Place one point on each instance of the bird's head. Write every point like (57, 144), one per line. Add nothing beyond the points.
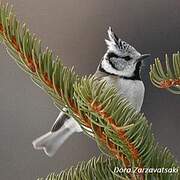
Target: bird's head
(121, 59)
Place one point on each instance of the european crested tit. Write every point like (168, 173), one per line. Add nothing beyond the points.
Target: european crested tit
(120, 67)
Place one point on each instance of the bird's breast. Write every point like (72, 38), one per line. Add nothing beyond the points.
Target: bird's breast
(133, 90)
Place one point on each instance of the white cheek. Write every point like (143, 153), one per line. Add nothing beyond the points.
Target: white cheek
(108, 68)
(121, 67)
(127, 70)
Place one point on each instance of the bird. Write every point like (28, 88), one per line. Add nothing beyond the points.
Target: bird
(121, 68)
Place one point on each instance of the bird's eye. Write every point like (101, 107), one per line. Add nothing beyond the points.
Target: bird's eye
(112, 55)
(127, 58)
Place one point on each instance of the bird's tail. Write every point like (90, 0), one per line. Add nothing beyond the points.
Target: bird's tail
(51, 141)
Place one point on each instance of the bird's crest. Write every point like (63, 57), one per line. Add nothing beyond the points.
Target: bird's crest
(116, 44)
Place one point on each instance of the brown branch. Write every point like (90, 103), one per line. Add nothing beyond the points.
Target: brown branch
(121, 133)
(169, 83)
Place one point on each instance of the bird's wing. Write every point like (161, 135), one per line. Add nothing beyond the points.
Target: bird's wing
(61, 119)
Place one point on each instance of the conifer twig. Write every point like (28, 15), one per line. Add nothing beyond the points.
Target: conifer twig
(168, 77)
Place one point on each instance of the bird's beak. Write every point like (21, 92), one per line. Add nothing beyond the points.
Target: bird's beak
(143, 56)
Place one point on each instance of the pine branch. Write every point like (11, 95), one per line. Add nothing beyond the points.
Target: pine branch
(103, 168)
(95, 168)
(117, 126)
(168, 77)
(118, 129)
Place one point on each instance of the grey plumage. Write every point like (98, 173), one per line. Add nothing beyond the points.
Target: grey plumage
(120, 67)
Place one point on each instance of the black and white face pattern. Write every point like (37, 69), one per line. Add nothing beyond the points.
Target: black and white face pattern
(121, 59)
